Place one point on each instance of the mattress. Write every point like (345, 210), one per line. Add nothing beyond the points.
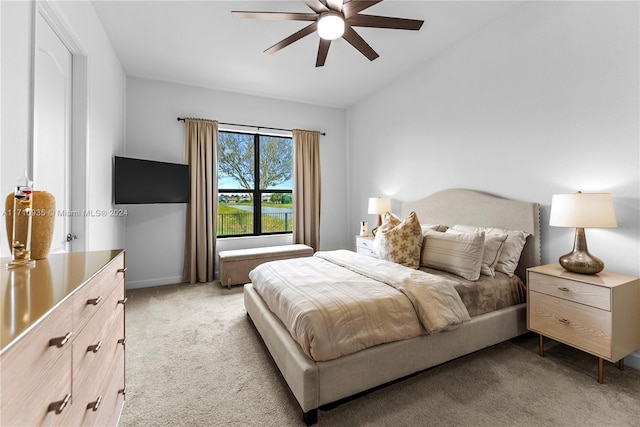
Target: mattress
(338, 302)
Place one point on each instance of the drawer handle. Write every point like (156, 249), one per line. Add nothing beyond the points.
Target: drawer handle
(123, 270)
(60, 341)
(563, 289)
(123, 391)
(565, 321)
(94, 405)
(94, 348)
(123, 301)
(94, 301)
(122, 341)
(58, 406)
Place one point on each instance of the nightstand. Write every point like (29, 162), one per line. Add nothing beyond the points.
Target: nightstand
(598, 314)
(364, 245)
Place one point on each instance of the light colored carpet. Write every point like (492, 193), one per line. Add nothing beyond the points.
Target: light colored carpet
(194, 359)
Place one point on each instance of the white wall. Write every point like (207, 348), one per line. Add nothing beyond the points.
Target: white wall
(543, 101)
(155, 233)
(15, 135)
(104, 110)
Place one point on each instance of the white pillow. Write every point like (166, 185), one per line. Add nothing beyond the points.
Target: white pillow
(493, 244)
(399, 241)
(432, 227)
(510, 254)
(435, 227)
(457, 253)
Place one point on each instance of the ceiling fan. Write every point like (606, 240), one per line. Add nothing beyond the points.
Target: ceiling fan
(333, 19)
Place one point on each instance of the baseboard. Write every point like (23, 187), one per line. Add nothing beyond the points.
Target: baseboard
(159, 281)
(633, 360)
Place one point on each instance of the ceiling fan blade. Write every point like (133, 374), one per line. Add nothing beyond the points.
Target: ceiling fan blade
(316, 5)
(358, 42)
(335, 5)
(354, 6)
(323, 50)
(276, 16)
(292, 38)
(384, 22)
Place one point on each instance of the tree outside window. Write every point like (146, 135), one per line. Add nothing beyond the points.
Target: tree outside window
(255, 184)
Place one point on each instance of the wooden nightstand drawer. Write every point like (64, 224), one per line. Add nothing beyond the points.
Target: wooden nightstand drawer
(571, 290)
(576, 324)
(364, 245)
(597, 313)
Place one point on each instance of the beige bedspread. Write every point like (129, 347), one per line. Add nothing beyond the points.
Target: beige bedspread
(337, 302)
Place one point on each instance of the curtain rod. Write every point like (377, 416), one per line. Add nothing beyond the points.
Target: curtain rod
(182, 119)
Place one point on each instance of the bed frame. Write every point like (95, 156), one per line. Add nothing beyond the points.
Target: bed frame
(315, 384)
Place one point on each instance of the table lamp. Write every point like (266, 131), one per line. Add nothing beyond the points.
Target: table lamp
(582, 210)
(379, 206)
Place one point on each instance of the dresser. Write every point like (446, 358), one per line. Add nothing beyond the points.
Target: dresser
(62, 342)
(599, 314)
(364, 245)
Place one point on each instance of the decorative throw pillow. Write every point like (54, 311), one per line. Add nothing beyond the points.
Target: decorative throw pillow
(457, 253)
(510, 254)
(399, 241)
(493, 244)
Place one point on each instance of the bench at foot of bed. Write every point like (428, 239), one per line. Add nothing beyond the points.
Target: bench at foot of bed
(235, 265)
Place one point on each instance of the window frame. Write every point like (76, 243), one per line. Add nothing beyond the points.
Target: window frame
(256, 191)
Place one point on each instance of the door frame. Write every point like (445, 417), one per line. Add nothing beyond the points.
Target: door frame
(79, 112)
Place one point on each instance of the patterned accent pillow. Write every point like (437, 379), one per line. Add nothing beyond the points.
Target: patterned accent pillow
(457, 253)
(399, 241)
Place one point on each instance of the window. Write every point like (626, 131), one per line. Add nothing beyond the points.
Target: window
(255, 184)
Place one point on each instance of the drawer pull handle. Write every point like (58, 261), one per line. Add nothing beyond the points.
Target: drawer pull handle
(122, 341)
(94, 348)
(565, 321)
(60, 341)
(58, 406)
(563, 289)
(94, 405)
(94, 301)
(122, 270)
(123, 391)
(123, 301)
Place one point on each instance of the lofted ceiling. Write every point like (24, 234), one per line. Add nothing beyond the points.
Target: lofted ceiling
(199, 43)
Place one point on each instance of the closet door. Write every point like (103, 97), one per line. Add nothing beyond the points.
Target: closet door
(53, 97)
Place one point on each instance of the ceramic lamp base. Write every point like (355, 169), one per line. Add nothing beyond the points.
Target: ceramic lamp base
(580, 260)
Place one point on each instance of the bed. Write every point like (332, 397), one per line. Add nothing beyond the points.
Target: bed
(317, 383)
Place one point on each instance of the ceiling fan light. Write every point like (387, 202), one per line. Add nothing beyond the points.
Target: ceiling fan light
(331, 26)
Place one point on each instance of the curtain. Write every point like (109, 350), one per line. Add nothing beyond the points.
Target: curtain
(201, 152)
(306, 188)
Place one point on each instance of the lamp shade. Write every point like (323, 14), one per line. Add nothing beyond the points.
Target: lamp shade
(583, 210)
(379, 205)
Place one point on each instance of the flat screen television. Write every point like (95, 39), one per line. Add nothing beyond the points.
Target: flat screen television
(138, 181)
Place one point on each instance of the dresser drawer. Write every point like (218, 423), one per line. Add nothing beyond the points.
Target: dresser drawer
(581, 326)
(35, 372)
(40, 387)
(571, 290)
(113, 394)
(99, 402)
(104, 330)
(90, 297)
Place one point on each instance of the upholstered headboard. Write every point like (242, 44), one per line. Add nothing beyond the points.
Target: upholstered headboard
(470, 207)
